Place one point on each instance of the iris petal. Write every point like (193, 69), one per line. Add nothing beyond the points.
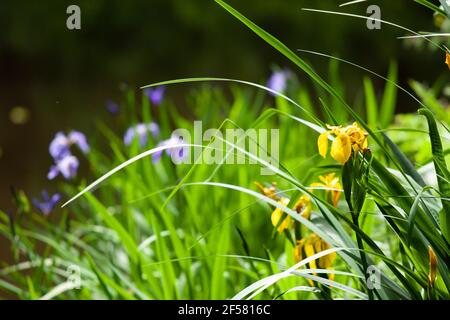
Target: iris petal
(322, 144)
(341, 148)
(277, 214)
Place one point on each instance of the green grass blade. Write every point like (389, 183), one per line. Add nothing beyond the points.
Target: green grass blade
(371, 103)
(404, 162)
(442, 172)
(389, 100)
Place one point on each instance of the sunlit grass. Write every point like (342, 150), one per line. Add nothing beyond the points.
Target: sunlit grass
(155, 230)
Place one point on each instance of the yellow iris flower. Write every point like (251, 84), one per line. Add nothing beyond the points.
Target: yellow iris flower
(330, 181)
(270, 192)
(302, 206)
(277, 215)
(311, 245)
(346, 139)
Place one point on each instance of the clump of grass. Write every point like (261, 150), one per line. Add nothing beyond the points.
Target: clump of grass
(155, 230)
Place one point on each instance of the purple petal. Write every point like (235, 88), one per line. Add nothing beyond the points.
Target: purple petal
(129, 135)
(55, 199)
(59, 147)
(45, 195)
(155, 95)
(80, 140)
(156, 157)
(112, 107)
(141, 131)
(278, 81)
(143, 140)
(46, 206)
(52, 173)
(177, 153)
(37, 204)
(68, 167)
(154, 129)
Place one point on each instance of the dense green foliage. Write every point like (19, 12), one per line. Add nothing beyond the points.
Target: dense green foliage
(156, 230)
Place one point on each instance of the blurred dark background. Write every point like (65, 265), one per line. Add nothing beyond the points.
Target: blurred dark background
(63, 78)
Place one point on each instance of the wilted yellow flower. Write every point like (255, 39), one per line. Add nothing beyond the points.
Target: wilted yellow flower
(346, 139)
(358, 137)
(433, 267)
(447, 59)
(311, 245)
(270, 192)
(330, 181)
(277, 215)
(303, 206)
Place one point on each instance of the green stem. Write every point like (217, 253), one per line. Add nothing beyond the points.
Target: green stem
(363, 255)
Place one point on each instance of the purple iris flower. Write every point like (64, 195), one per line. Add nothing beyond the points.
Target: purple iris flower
(156, 95)
(176, 153)
(112, 107)
(66, 166)
(141, 131)
(78, 138)
(60, 145)
(48, 204)
(157, 155)
(278, 81)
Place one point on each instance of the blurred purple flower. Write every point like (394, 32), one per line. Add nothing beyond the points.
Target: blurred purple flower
(78, 138)
(156, 95)
(60, 146)
(48, 204)
(141, 131)
(157, 155)
(112, 107)
(176, 153)
(278, 81)
(66, 166)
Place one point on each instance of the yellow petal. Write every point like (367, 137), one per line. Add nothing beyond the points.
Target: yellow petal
(324, 179)
(335, 197)
(433, 266)
(285, 224)
(277, 214)
(318, 246)
(303, 206)
(298, 251)
(331, 275)
(309, 251)
(365, 143)
(260, 187)
(327, 261)
(322, 144)
(447, 59)
(270, 192)
(307, 212)
(317, 184)
(341, 148)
